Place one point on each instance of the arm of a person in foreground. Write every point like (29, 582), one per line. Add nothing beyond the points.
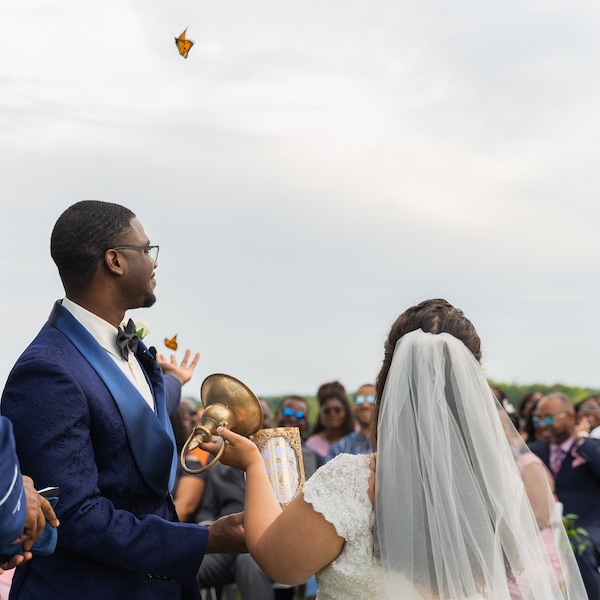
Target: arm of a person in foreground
(39, 511)
(188, 495)
(289, 545)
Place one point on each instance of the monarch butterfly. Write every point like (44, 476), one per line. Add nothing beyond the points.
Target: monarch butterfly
(183, 45)
(171, 343)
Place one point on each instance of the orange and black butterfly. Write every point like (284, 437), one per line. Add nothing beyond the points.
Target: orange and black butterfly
(171, 343)
(183, 45)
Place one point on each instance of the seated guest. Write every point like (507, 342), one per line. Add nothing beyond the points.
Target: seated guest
(224, 495)
(359, 441)
(189, 487)
(335, 419)
(293, 412)
(525, 410)
(590, 407)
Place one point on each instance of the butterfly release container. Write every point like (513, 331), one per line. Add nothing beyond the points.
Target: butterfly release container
(281, 451)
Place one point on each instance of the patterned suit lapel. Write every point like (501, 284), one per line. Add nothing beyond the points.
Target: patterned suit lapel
(150, 438)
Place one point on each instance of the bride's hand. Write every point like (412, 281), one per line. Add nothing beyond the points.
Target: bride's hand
(239, 451)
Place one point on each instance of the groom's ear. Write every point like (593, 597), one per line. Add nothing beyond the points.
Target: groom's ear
(113, 262)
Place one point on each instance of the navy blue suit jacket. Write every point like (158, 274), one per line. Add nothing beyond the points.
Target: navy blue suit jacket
(79, 424)
(577, 487)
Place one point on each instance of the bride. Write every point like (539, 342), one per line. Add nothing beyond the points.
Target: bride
(439, 511)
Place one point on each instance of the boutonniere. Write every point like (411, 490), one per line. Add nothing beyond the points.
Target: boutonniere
(141, 329)
(578, 460)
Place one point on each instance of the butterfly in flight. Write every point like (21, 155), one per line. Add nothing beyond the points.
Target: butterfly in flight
(171, 343)
(183, 45)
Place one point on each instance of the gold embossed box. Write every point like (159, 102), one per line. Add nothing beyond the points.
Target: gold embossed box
(281, 450)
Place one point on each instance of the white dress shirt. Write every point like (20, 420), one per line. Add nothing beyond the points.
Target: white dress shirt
(106, 335)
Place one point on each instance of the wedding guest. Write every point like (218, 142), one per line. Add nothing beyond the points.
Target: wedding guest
(506, 405)
(224, 495)
(88, 403)
(268, 418)
(359, 441)
(440, 511)
(573, 457)
(293, 412)
(189, 487)
(334, 421)
(525, 411)
(590, 407)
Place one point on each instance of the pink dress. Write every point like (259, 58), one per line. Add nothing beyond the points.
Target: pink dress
(547, 534)
(318, 445)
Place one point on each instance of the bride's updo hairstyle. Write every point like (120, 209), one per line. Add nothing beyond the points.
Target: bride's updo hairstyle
(432, 316)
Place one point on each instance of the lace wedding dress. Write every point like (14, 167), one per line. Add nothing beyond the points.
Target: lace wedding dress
(340, 492)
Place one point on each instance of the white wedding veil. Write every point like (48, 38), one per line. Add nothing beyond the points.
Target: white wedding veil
(454, 514)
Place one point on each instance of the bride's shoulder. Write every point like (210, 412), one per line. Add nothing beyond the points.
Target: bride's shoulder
(342, 473)
(339, 490)
(349, 463)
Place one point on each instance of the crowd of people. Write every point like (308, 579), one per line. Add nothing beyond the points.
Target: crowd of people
(423, 484)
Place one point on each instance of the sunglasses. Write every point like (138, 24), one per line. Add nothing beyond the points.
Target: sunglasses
(288, 412)
(361, 399)
(547, 421)
(329, 409)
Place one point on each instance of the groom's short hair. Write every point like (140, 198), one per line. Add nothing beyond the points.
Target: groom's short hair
(81, 236)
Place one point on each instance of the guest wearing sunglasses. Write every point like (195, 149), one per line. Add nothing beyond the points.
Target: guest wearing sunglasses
(359, 441)
(335, 419)
(574, 459)
(590, 407)
(293, 412)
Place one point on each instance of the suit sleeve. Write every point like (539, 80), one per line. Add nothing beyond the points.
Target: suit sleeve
(12, 501)
(172, 393)
(65, 439)
(590, 450)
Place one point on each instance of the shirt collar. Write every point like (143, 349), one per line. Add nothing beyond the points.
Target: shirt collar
(565, 446)
(102, 331)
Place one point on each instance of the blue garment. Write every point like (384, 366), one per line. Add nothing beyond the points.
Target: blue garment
(352, 443)
(81, 425)
(577, 486)
(12, 501)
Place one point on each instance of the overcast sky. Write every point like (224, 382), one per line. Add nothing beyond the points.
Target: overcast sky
(313, 169)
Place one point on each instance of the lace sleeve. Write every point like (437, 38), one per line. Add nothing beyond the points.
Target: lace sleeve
(338, 491)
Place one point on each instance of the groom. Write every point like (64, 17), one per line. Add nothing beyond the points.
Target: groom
(88, 407)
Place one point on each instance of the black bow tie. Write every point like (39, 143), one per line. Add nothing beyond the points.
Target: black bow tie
(127, 338)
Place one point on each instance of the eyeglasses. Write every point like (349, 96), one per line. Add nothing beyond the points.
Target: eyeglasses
(361, 399)
(288, 412)
(547, 421)
(329, 409)
(151, 251)
(589, 410)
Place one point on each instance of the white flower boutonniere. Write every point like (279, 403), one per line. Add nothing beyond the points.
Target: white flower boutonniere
(141, 329)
